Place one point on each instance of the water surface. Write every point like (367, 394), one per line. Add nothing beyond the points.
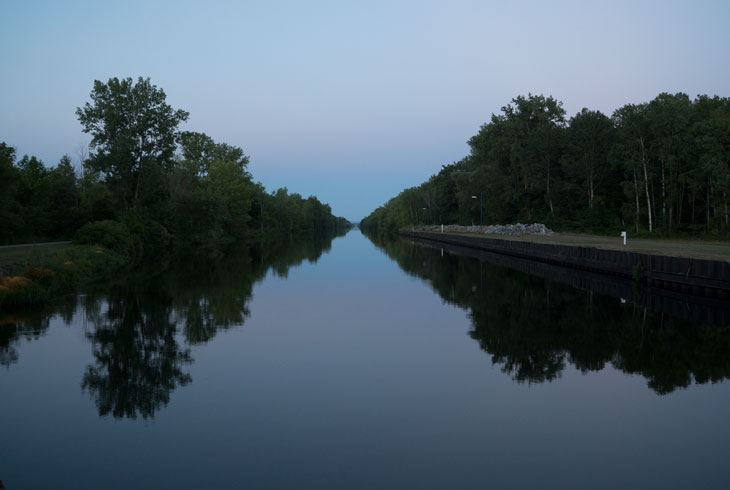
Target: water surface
(354, 365)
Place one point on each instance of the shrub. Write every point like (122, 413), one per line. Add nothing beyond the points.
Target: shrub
(109, 234)
(151, 237)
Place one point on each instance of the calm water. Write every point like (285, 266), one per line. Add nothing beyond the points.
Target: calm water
(355, 365)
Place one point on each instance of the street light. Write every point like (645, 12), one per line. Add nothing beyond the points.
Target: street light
(481, 217)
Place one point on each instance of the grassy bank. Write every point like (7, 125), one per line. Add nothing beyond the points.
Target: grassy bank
(695, 249)
(33, 274)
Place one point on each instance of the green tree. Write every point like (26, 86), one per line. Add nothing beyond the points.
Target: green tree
(34, 197)
(8, 174)
(197, 152)
(590, 136)
(11, 222)
(133, 134)
(524, 145)
(669, 118)
(632, 151)
(211, 192)
(230, 184)
(64, 213)
(710, 177)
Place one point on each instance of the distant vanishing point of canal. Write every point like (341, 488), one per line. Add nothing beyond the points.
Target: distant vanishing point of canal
(359, 364)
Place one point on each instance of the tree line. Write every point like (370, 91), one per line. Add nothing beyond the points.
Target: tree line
(661, 167)
(145, 183)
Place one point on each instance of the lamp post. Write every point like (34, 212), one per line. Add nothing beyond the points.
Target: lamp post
(417, 222)
(481, 215)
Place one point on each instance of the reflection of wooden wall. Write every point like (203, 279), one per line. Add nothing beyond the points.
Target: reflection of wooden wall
(700, 295)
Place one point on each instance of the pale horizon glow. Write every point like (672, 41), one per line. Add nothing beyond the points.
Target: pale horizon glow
(351, 102)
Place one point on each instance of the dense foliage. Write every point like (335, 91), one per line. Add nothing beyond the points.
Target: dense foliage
(145, 184)
(662, 166)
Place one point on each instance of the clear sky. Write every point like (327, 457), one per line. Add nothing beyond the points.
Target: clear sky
(348, 101)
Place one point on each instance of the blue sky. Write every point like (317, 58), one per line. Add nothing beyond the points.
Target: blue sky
(348, 101)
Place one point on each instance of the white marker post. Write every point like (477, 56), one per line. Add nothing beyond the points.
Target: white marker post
(442, 228)
(623, 235)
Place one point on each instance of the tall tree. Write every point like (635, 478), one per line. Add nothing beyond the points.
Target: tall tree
(590, 136)
(10, 212)
(633, 134)
(133, 132)
(526, 141)
(669, 117)
(34, 197)
(64, 200)
(198, 151)
(710, 177)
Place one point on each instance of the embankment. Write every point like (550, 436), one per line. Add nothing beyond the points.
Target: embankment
(700, 277)
(31, 275)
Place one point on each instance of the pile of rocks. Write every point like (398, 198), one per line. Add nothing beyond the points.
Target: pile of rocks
(517, 229)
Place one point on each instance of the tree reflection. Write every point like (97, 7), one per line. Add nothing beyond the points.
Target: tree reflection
(17, 327)
(138, 361)
(533, 327)
(141, 325)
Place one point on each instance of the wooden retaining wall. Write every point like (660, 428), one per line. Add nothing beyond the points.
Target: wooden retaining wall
(709, 278)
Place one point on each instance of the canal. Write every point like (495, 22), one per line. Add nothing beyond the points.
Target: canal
(359, 363)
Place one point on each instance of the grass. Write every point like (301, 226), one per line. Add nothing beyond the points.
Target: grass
(34, 274)
(16, 258)
(695, 249)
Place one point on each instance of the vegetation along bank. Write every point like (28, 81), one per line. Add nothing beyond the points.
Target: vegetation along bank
(142, 188)
(660, 168)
